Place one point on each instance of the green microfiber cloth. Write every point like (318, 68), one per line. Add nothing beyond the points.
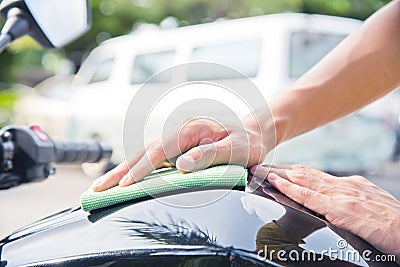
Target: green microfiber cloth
(223, 176)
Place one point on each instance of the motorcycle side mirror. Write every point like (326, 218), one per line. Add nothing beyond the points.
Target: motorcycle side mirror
(51, 23)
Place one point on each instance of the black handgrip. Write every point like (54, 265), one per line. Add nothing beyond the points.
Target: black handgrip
(80, 152)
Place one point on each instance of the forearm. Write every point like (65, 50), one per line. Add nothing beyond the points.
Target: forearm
(361, 69)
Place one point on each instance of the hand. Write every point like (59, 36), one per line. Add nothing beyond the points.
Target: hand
(352, 203)
(204, 143)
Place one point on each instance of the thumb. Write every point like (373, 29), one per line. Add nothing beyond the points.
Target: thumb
(203, 156)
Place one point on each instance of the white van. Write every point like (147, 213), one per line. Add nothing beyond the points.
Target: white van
(272, 50)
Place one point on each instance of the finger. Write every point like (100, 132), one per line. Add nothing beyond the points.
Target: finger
(303, 168)
(172, 160)
(260, 171)
(191, 135)
(302, 177)
(305, 196)
(112, 177)
(157, 153)
(263, 170)
(153, 158)
(119, 173)
(298, 174)
(286, 167)
(204, 156)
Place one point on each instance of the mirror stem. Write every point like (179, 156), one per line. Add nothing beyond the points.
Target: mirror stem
(15, 27)
(5, 39)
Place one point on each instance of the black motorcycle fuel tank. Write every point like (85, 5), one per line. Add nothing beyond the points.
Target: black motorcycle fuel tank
(234, 226)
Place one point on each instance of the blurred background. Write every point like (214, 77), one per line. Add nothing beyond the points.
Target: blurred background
(53, 87)
(25, 62)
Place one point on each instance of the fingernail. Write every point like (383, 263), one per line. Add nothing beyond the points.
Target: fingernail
(126, 180)
(253, 169)
(186, 163)
(259, 171)
(273, 177)
(97, 181)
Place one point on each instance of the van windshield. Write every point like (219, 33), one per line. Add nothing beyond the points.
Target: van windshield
(243, 56)
(307, 48)
(103, 71)
(146, 65)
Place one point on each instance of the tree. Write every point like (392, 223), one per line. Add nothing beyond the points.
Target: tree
(117, 17)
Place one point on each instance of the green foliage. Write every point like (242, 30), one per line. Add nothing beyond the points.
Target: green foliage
(358, 9)
(8, 97)
(117, 17)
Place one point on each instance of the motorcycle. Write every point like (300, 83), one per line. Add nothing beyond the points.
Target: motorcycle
(26, 153)
(247, 225)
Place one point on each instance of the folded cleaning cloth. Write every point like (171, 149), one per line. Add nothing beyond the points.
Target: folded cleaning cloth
(164, 182)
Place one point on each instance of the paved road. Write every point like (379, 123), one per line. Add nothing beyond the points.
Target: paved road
(25, 204)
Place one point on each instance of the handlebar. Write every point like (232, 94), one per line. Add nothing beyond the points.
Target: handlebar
(80, 152)
(26, 154)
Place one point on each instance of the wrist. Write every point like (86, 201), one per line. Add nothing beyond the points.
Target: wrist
(280, 124)
(271, 127)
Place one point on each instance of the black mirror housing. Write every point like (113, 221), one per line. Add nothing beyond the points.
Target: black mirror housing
(45, 21)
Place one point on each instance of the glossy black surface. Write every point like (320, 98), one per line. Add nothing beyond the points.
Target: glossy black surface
(226, 232)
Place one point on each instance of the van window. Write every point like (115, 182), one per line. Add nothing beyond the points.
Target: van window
(306, 49)
(146, 65)
(59, 91)
(243, 56)
(103, 71)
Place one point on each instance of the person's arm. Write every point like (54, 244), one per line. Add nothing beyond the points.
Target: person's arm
(362, 68)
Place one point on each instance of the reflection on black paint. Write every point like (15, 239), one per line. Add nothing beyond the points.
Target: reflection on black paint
(212, 235)
(175, 232)
(276, 235)
(222, 260)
